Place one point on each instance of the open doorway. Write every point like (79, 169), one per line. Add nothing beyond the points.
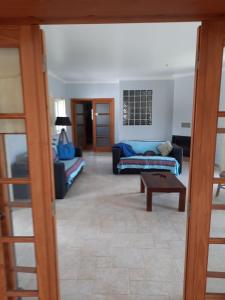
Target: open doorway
(82, 112)
(117, 247)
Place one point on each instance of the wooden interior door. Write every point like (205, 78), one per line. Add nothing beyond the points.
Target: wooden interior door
(28, 264)
(103, 124)
(200, 272)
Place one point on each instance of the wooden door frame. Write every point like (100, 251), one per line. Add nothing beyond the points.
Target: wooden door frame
(94, 101)
(205, 113)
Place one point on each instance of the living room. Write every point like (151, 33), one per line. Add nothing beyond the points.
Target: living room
(109, 246)
(105, 221)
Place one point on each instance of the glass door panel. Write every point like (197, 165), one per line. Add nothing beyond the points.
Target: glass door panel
(102, 108)
(11, 99)
(103, 120)
(12, 126)
(16, 155)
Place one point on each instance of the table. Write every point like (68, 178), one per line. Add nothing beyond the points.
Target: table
(162, 182)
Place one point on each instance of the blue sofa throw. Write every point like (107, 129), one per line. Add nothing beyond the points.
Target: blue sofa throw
(126, 149)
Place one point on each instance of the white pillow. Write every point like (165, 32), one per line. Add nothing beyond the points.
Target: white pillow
(165, 148)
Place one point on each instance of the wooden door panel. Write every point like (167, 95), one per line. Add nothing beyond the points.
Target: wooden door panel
(207, 93)
(34, 114)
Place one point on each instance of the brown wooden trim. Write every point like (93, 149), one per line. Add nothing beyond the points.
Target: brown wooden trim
(215, 296)
(220, 130)
(100, 11)
(41, 166)
(9, 36)
(22, 293)
(211, 274)
(7, 251)
(17, 239)
(15, 181)
(12, 116)
(218, 206)
(217, 241)
(217, 180)
(22, 269)
(221, 114)
(19, 204)
(185, 290)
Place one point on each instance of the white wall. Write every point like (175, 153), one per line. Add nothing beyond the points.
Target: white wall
(96, 90)
(56, 87)
(162, 111)
(172, 104)
(183, 103)
(182, 112)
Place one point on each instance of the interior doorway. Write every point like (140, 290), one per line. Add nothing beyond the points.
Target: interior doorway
(93, 124)
(83, 125)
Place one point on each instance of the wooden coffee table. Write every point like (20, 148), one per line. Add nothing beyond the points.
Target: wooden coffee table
(162, 182)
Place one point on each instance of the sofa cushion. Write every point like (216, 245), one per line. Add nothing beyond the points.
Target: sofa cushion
(149, 162)
(143, 146)
(165, 148)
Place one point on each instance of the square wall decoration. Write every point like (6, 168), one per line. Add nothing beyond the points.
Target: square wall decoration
(137, 107)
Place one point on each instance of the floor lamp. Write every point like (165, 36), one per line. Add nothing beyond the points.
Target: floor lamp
(63, 121)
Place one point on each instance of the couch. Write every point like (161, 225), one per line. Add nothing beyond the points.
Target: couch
(142, 163)
(65, 172)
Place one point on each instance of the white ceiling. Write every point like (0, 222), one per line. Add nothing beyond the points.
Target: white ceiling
(120, 51)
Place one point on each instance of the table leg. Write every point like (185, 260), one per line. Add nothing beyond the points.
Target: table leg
(142, 188)
(182, 200)
(149, 200)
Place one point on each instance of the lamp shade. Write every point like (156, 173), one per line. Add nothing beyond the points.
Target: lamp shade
(63, 121)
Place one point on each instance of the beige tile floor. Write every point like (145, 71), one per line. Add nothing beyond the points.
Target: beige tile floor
(110, 248)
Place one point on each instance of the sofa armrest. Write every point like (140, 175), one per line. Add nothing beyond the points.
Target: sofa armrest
(177, 153)
(79, 152)
(60, 180)
(116, 154)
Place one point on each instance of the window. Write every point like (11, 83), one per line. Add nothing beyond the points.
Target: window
(137, 107)
(60, 111)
